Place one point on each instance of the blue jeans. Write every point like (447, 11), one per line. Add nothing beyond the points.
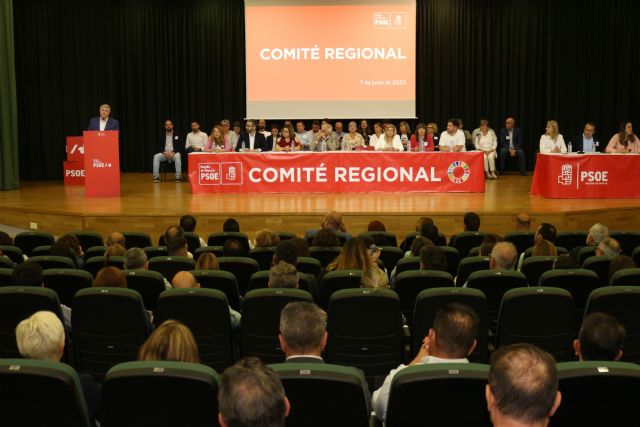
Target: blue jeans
(160, 157)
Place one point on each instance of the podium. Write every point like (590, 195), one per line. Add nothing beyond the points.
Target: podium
(73, 167)
(101, 164)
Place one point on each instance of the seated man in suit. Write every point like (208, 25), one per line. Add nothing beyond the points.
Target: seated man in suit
(586, 142)
(41, 337)
(169, 148)
(510, 144)
(252, 140)
(251, 394)
(601, 337)
(303, 332)
(523, 386)
(103, 121)
(450, 340)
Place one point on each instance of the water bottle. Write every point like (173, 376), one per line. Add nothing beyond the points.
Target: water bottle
(242, 147)
(421, 142)
(343, 146)
(569, 148)
(293, 144)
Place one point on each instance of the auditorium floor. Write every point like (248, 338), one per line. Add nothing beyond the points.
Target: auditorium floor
(152, 207)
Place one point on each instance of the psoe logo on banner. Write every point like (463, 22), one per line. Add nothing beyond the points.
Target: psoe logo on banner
(229, 173)
(390, 20)
(458, 172)
(594, 177)
(566, 175)
(97, 163)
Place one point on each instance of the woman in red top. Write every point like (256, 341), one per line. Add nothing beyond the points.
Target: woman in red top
(288, 140)
(421, 137)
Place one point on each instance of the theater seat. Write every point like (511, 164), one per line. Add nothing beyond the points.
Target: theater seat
(219, 238)
(136, 239)
(149, 284)
(220, 280)
(29, 240)
(168, 266)
(469, 265)
(66, 282)
(334, 281)
(409, 284)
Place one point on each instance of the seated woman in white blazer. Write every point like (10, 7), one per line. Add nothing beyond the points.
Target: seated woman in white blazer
(552, 141)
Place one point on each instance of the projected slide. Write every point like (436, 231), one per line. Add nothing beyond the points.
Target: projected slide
(311, 60)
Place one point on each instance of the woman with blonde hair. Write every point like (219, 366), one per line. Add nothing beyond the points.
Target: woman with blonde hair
(266, 238)
(355, 256)
(172, 341)
(216, 142)
(389, 140)
(552, 141)
(544, 248)
(207, 261)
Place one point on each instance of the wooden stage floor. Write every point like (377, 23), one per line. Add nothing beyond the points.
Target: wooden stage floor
(149, 207)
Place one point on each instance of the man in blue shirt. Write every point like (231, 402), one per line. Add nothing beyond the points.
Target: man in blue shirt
(586, 141)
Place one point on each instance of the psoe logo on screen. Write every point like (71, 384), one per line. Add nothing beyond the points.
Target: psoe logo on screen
(229, 173)
(390, 20)
(566, 175)
(458, 172)
(97, 163)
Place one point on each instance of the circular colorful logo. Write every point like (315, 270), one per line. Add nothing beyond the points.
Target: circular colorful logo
(458, 172)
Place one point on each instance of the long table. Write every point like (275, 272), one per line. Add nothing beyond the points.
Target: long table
(586, 176)
(336, 172)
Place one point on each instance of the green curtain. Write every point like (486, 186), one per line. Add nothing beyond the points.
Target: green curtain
(9, 179)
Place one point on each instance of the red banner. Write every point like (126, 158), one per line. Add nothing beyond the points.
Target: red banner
(101, 164)
(73, 173)
(336, 172)
(585, 176)
(75, 149)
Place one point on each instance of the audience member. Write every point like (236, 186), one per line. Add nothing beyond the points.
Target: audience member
(136, 259)
(303, 332)
(544, 248)
(287, 251)
(523, 387)
(565, 262)
(266, 238)
(72, 241)
(333, 220)
(597, 233)
(430, 231)
(523, 222)
(115, 249)
(503, 256)
(115, 237)
(207, 261)
(172, 341)
(432, 258)
(601, 337)
(471, 221)
(251, 395)
(620, 262)
(283, 275)
(354, 256)
(233, 247)
(27, 273)
(326, 237)
(186, 280)
(178, 246)
(231, 225)
(188, 224)
(488, 242)
(62, 249)
(110, 277)
(302, 246)
(450, 340)
(41, 336)
(5, 239)
(609, 247)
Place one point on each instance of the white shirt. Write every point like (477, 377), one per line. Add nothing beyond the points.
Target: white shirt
(103, 123)
(457, 139)
(252, 140)
(373, 139)
(168, 145)
(485, 142)
(380, 397)
(547, 144)
(381, 143)
(196, 140)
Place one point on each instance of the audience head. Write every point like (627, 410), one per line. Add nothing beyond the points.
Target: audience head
(72, 241)
(302, 246)
(432, 258)
(184, 280)
(251, 394)
(418, 243)
(453, 334)
(115, 249)
(608, 247)
(544, 248)
(333, 220)
(488, 242)
(287, 251)
(114, 238)
(207, 261)
(28, 273)
(374, 278)
(5, 239)
(546, 231)
(503, 256)
(523, 386)
(135, 258)
(111, 277)
(303, 329)
(601, 337)
(61, 248)
(172, 341)
(597, 233)
(231, 225)
(178, 246)
(233, 247)
(266, 238)
(430, 231)
(523, 222)
(620, 262)
(471, 221)
(565, 262)
(41, 336)
(376, 226)
(283, 275)
(188, 223)
(326, 237)
(353, 256)
(423, 220)
(172, 232)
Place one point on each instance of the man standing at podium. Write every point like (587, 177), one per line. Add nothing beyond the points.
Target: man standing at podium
(103, 122)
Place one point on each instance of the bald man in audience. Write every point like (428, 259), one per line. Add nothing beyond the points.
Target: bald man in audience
(186, 280)
(503, 256)
(601, 337)
(450, 340)
(523, 222)
(609, 247)
(523, 387)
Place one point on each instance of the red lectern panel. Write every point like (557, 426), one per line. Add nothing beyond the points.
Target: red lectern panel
(101, 164)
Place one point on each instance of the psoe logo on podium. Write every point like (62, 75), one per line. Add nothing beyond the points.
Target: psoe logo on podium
(566, 175)
(229, 173)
